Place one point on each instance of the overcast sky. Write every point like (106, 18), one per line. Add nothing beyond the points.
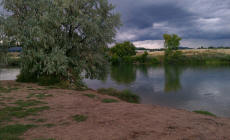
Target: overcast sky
(198, 22)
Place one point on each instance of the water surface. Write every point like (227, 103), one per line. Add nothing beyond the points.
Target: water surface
(191, 88)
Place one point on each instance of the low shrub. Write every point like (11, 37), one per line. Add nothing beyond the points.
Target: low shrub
(204, 113)
(124, 95)
(80, 118)
(109, 101)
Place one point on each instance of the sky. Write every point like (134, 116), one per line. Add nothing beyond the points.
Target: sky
(198, 22)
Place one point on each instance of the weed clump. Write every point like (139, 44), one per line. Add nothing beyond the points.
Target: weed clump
(204, 113)
(12, 132)
(90, 95)
(28, 103)
(124, 95)
(109, 101)
(80, 118)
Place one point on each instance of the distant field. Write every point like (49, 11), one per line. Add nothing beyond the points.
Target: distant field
(193, 52)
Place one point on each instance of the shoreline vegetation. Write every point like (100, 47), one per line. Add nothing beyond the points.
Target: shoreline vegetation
(181, 57)
(40, 113)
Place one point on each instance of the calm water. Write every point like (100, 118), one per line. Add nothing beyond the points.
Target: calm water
(191, 88)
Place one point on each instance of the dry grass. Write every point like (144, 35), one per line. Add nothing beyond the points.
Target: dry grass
(193, 52)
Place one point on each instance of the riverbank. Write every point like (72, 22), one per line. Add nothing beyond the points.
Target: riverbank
(46, 113)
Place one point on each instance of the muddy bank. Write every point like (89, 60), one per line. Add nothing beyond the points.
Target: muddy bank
(116, 120)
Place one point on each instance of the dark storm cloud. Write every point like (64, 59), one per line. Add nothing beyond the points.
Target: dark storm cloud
(191, 19)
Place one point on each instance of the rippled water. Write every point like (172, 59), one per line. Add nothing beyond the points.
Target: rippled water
(191, 88)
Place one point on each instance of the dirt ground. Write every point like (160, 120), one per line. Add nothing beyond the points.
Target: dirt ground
(110, 121)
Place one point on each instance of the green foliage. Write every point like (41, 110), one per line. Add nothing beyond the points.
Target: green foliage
(28, 103)
(80, 118)
(142, 58)
(204, 113)
(172, 42)
(12, 132)
(109, 101)
(124, 95)
(90, 95)
(8, 112)
(123, 49)
(44, 139)
(61, 38)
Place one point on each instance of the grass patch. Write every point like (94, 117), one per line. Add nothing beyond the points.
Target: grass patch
(124, 95)
(49, 125)
(44, 139)
(90, 95)
(28, 103)
(7, 90)
(204, 113)
(7, 113)
(40, 120)
(80, 118)
(12, 132)
(109, 101)
(4, 90)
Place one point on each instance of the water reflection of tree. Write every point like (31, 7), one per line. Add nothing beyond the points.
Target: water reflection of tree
(123, 74)
(172, 78)
(144, 69)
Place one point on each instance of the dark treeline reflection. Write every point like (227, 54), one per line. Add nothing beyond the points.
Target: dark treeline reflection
(126, 74)
(172, 78)
(123, 74)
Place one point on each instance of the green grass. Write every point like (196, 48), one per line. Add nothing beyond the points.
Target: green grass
(204, 113)
(124, 95)
(109, 101)
(7, 113)
(7, 90)
(80, 118)
(4, 90)
(12, 132)
(40, 120)
(49, 125)
(28, 103)
(44, 139)
(90, 95)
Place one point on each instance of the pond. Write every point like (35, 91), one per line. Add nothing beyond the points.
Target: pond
(184, 87)
(192, 88)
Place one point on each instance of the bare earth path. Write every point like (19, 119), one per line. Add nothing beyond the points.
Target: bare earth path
(111, 121)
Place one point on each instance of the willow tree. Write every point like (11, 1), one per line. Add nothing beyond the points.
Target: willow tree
(61, 39)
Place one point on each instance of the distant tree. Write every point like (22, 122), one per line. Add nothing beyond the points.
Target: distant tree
(171, 43)
(123, 49)
(61, 39)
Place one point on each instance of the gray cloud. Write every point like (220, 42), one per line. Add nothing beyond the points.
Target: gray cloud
(191, 19)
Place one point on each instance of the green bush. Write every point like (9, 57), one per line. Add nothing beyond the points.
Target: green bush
(109, 101)
(204, 113)
(124, 95)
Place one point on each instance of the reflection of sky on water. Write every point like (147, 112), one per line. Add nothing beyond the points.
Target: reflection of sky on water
(8, 74)
(199, 89)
